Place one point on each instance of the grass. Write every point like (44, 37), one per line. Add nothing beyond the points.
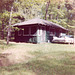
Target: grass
(42, 59)
(4, 46)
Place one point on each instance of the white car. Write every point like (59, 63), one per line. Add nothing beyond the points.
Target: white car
(63, 39)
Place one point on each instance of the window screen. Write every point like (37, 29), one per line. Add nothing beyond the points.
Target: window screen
(33, 30)
(26, 31)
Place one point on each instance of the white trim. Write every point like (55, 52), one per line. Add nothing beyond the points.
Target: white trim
(43, 34)
(38, 31)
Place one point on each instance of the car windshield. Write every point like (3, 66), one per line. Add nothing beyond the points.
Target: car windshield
(70, 36)
(62, 35)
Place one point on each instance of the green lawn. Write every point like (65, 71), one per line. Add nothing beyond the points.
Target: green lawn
(42, 59)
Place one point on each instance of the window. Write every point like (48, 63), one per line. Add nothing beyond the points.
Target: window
(26, 31)
(33, 30)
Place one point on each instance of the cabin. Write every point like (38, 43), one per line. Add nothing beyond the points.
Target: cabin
(37, 31)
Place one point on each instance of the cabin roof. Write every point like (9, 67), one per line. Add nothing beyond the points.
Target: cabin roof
(38, 21)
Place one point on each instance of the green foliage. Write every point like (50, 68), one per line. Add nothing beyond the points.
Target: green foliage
(59, 11)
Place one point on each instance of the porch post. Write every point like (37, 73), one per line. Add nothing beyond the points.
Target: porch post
(38, 35)
(45, 34)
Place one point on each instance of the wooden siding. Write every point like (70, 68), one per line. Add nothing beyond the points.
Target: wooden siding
(26, 34)
(36, 33)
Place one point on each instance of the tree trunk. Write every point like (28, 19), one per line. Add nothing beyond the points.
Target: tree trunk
(47, 6)
(7, 38)
(9, 27)
(2, 32)
(51, 16)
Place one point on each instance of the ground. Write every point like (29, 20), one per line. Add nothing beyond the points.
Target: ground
(37, 59)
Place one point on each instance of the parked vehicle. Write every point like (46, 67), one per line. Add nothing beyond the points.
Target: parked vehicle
(63, 39)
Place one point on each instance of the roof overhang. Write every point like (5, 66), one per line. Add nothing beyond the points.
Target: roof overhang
(38, 21)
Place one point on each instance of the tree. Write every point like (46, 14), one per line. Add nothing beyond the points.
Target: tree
(47, 6)
(7, 7)
(9, 26)
(4, 18)
(70, 5)
(61, 12)
(22, 10)
(29, 9)
(58, 11)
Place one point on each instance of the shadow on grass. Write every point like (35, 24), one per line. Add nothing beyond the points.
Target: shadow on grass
(43, 65)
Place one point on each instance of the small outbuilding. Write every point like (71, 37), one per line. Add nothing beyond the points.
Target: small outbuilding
(37, 31)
